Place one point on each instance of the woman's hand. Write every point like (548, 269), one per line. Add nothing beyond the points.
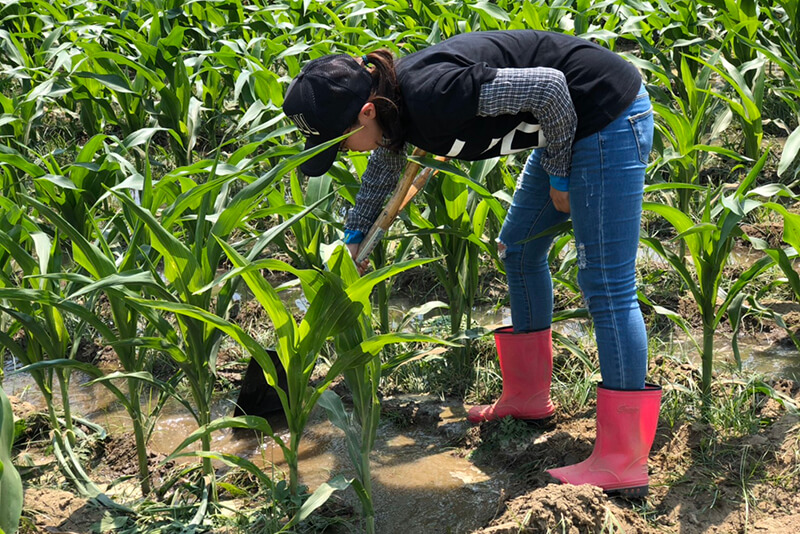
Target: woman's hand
(560, 199)
(353, 248)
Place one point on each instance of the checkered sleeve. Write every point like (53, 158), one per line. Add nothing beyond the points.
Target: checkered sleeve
(543, 92)
(380, 178)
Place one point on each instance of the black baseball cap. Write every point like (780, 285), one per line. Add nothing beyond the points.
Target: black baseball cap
(323, 101)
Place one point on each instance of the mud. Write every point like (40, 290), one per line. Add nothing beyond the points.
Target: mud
(565, 509)
(434, 473)
(58, 511)
(700, 482)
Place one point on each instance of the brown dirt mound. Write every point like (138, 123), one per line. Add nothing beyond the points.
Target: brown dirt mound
(121, 458)
(700, 481)
(567, 509)
(60, 511)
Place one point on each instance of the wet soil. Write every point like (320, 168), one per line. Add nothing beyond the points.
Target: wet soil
(701, 482)
(49, 510)
(435, 473)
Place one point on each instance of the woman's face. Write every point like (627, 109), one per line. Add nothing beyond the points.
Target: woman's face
(370, 134)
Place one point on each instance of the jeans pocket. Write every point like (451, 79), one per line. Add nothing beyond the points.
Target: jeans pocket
(642, 127)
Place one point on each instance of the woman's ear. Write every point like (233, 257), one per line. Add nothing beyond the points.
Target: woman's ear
(368, 111)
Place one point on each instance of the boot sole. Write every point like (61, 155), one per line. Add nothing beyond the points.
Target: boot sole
(541, 422)
(636, 492)
(629, 493)
(546, 419)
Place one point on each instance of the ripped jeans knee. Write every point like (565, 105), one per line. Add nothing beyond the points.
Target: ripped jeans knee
(501, 249)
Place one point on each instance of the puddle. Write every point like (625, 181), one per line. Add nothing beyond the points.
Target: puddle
(418, 484)
(772, 361)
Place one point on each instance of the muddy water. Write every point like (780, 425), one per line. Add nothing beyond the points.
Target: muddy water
(771, 361)
(419, 485)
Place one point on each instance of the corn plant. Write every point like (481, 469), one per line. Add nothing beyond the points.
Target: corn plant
(188, 239)
(686, 125)
(741, 18)
(452, 225)
(47, 350)
(331, 311)
(23, 63)
(103, 271)
(157, 69)
(783, 54)
(784, 16)
(299, 345)
(791, 233)
(392, 248)
(43, 326)
(363, 380)
(188, 266)
(10, 481)
(709, 242)
(748, 107)
(309, 232)
(681, 31)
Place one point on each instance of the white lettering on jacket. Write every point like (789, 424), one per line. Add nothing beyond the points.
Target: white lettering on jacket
(507, 141)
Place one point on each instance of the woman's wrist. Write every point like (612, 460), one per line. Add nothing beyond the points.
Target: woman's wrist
(352, 237)
(559, 183)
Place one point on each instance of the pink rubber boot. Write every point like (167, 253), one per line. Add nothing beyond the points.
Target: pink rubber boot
(526, 363)
(626, 427)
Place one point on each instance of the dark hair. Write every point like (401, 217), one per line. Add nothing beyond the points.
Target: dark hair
(387, 98)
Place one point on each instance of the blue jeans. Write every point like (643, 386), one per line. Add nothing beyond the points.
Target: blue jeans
(605, 197)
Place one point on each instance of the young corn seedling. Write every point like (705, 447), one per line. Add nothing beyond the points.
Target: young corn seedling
(119, 278)
(363, 380)
(34, 301)
(685, 125)
(189, 239)
(787, 87)
(308, 232)
(785, 259)
(748, 107)
(452, 226)
(10, 481)
(709, 242)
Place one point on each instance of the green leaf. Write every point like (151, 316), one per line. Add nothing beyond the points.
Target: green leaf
(125, 279)
(180, 265)
(682, 223)
(790, 150)
(87, 254)
(282, 320)
(111, 81)
(140, 137)
(60, 180)
(157, 344)
(111, 523)
(251, 422)
(10, 482)
(232, 460)
(491, 10)
(791, 224)
(320, 497)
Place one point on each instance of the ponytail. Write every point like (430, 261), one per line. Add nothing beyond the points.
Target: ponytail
(386, 98)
